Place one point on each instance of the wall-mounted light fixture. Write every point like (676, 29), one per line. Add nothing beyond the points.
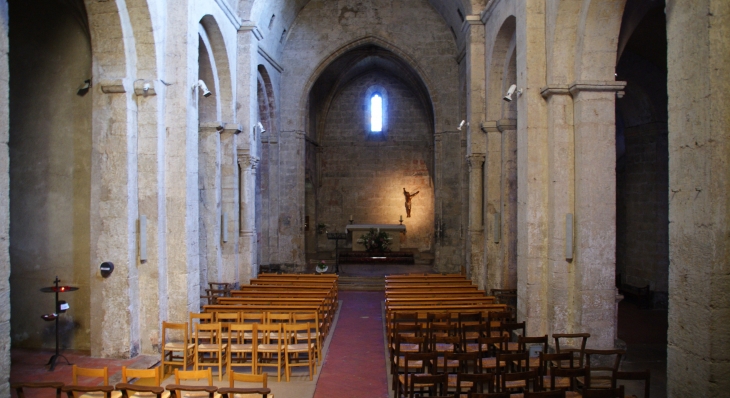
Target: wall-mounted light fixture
(84, 87)
(569, 236)
(203, 88)
(142, 238)
(224, 227)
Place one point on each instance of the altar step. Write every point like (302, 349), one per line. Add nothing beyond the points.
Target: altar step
(361, 283)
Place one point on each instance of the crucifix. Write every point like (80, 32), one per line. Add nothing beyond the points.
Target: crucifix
(408, 201)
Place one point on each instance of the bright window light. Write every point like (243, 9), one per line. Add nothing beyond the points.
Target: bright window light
(376, 113)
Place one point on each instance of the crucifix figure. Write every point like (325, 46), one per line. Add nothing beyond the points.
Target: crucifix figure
(408, 201)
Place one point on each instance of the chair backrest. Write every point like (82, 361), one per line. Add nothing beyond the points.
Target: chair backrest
(267, 332)
(129, 373)
(185, 375)
(227, 317)
(510, 328)
(295, 332)
(19, 387)
(574, 343)
(403, 339)
(602, 364)
(529, 377)
(468, 362)
(253, 317)
(198, 318)
(208, 331)
(237, 332)
(278, 317)
(173, 331)
(437, 383)
(644, 375)
(89, 372)
(233, 377)
(523, 342)
(519, 362)
(491, 346)
(419, 362)
(480, 383)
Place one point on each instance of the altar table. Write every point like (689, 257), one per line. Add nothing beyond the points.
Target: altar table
(359, 230)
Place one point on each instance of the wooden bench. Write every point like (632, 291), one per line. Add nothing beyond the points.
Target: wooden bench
(438, 300)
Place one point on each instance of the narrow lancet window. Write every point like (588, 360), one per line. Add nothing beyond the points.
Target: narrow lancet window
(376, 113)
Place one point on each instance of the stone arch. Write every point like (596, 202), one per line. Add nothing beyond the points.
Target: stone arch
(597, 39)
(377, 42)
(561, 43)
(502, 51)
(141, 21)
(209, 109)
(224, 74)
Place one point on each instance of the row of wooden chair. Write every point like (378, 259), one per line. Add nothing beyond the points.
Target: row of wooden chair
(252, 345)
(151, 386)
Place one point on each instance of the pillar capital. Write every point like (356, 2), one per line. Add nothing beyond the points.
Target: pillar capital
(210, 127)
(490, 126)
(506, 124)
(247, 161)
(475, 160)
(597, 86)
(230, 128)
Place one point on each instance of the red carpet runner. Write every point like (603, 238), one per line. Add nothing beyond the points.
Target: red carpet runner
(355, 364)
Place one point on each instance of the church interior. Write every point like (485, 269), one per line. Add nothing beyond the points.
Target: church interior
(572, 152)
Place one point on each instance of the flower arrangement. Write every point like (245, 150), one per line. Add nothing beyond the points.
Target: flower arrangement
(375, 241)
(321, 266)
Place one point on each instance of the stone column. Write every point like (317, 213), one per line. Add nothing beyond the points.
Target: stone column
(561, 277)
(492, 186)
(475, 106)
(230, 207)
(209, 177)
(595, 209)
(698, 86)
(476, 225)
(248, 261)
(507, 246)
(532, 175)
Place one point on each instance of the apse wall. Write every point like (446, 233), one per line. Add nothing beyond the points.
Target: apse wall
(364, 175)
(50, 166)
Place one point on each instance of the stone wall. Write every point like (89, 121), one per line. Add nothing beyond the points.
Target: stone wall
(50, 172)
(364, 177)
(698, 350)
(4, 216)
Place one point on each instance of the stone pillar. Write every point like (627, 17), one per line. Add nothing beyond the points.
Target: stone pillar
(595, 209)
(230, 202)
(5, 214)
(532, 175)
(114, 300)
(501, 204)
(492, 186)
(476, 224)
(248, 261)
(475, 147)
(209, 177)
(698, 86)
(561, 277)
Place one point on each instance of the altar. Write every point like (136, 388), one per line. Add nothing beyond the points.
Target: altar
(358, 230)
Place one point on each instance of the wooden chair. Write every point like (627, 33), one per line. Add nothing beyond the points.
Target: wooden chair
(513, 330)
(176, 348)
(178, 389)
(246, 392)
(312, 318)
(136, 390)
(210, 350)
(299, 345)
(20, 387)
(226, 319)
(196, 319)
(644, 375)
(404, 344)
(148, 382)
(549, 371)
(489, 349)
(467, 383)
(94, 373)
(415, 363)
(76, 391)
(521, 381)
(241, 347)
(495, 319)
(455, 363)
(569, 341)
(435, 383)
(601, 373)
(269, 348)
(524, 343)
